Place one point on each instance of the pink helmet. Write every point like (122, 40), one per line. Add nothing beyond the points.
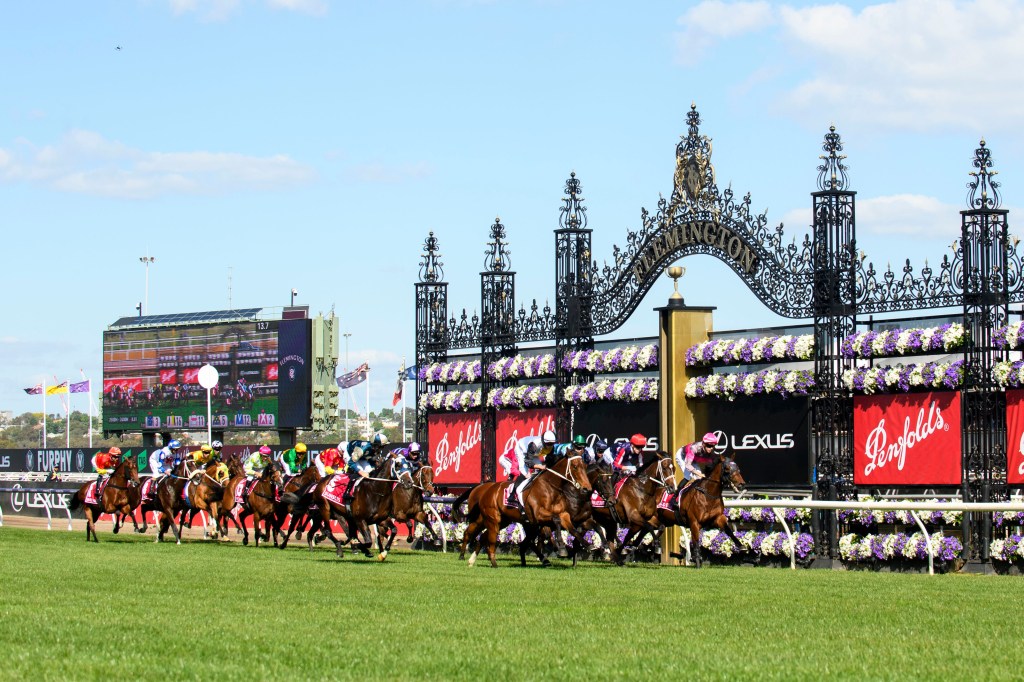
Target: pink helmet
(710, 439)
(265, 450)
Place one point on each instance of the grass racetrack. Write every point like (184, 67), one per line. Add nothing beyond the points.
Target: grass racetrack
(127, 608)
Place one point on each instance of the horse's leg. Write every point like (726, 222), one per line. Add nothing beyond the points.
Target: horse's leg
(722, 523)
(472, 530)
(175, 528)
(89, 527)
(492, 541)
(240, 521)
(421, 518)
(695, 543)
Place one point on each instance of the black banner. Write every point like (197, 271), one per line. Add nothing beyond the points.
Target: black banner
(294, 407)
(615, 421)
(770, 436)
(33, 498)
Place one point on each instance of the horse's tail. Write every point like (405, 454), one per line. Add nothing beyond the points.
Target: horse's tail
(296, 503)
(75, 503)
(457, 514)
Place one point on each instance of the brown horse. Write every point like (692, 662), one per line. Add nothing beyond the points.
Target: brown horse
(261, 502)
(702, 506)
(637, 504)
(170, 502)
(296, 485)
(407, 506)
(546, 502)
(205, 492)
(114, 500)
(227, 501)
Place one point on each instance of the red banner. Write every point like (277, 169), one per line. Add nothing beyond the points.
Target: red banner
(907, 439)
(168, 376)
(455, 447)
(1015, 437)
(190, 375)
(515, 424)
(134, 384)
(270, 372)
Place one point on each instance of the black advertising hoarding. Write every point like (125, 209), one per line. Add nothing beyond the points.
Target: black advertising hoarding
(770, 436)
(294, 406)
(615, 421)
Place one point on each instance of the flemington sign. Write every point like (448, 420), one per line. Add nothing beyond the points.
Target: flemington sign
(707, 232)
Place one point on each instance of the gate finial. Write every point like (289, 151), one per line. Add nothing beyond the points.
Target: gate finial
(983, 181)
(832, 173)
(431, 269)
(573, 215)
(497, 259)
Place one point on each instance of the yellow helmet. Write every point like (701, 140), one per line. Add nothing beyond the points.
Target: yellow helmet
(205, 447)
(300, 447)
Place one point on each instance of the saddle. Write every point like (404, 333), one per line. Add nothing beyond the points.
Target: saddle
(93, 495)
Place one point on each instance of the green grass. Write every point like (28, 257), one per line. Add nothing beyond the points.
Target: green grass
(129, 609)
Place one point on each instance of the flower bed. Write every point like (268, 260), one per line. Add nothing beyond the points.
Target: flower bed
(521, 397)
(452, 401)
(1009, 337)
(1009, 374)
(749, 351)
(461, 372)
(1008, 518)
(762, 544)
(1008, 550)
(769, 514)
(890, 342)
(623, 359)
(627, 390)
(855, 548)
(522, 367)
(868, 518)
(900, 378)
(769, 381)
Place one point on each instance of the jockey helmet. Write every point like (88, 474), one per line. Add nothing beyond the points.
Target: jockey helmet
(300, 447)
(600, 446)
(710, 439)
(579, 442)
(174, 445)
(205, 447)
(114, 451)
(638, 439)
(217, 445)
(414, 448)
(265, 450)
(548, 437)
(380, 439)
(329, 453)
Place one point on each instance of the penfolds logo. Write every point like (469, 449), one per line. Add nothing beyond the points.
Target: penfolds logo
(881, 452)
(448, 457)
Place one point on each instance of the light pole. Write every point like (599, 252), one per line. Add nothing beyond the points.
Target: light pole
(146, 260)
(348, 393)
(295, 292)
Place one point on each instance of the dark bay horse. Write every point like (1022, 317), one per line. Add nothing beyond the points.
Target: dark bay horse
(261, 503)
(115, 499)
(227, 501)
(296, 485)
(637, 504)
(168, 495)
(546, 502)
(205, 492)
(407, 507)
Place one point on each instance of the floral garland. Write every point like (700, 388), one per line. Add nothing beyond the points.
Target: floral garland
(1008, 550)
(857, 548)
(522, 366)
(867, 518)
(900, 378)
(1008, 337)
(627, 390)
(460, 372)
(719, 543)
(889, 342)
(453, 401)
(521, 397)
(1009, 374)
(746, 351)
(769, 514)
(623, 359)
(785, 383)
(1009, 518)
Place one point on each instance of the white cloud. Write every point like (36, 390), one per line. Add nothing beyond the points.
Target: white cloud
(85, 162)
(897, 214)
(918, 65)
(383, 173)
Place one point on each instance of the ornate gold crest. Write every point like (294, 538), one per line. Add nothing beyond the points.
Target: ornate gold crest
(691, 170)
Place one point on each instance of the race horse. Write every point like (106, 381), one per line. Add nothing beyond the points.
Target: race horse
(114, 498)
(296, 485)
(581, 508)
(700, 505)
(370, 504)
(227, 501)
(205, 492)
(407, 507)
(260, 502)
(546, 501)
(636, 505)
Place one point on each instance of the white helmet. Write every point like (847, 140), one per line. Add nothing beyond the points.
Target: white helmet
(380, 439)
(548, 438)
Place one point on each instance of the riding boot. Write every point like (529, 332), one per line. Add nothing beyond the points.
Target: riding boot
(347, 496)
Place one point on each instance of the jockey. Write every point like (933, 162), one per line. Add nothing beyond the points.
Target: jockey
(358, 469)
(162, 461)
(414, 456)
(630, 456)
(530, 465)
(693, 457)
(105, 463)
(258, 461)
(293, 460)
(513, 461)
(329, 461)
(203, 455)
(217, 447)
(600, 453)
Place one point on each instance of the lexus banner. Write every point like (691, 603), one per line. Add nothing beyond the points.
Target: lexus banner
(515, 424)
(1015, 437)
(455, 447)
(614, 421)
(907, 439)
(769, 435)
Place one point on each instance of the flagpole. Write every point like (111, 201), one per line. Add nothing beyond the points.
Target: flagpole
(67, 418)
(44, 413)
(369, 429)
(403, 399)
(88, 393)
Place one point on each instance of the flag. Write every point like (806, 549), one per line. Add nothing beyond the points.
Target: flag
(35, 390)
(411, 373)
(62, 387)
(398, 389)
(355, 377)
(80, 387)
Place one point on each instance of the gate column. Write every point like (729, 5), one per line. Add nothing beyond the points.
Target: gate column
(679, 420)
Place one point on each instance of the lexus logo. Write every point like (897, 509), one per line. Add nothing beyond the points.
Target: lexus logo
(754, 441)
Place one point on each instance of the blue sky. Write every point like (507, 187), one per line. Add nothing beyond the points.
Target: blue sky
(313, 144)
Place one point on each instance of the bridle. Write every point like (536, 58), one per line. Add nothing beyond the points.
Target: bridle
(570, 478)
(661, 478)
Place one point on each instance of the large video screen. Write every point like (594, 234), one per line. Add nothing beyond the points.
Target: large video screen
(150, 376)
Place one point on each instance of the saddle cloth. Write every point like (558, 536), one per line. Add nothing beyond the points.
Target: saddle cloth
(148, 489)
(184, 493)
(507, 495)
(598, 501)
(668, 500)
(92, 495)
(335, 488)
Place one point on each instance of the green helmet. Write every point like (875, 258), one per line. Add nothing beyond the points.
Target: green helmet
(579, 440)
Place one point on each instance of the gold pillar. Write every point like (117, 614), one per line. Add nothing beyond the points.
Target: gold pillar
(679, 419)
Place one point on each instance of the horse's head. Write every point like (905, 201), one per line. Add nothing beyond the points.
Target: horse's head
(731, 473)
(130, 469)
(664, 469)
(600, 476)
(273, 472)
(425, 479)
(219, 472)
(575, 471)
(235, 467)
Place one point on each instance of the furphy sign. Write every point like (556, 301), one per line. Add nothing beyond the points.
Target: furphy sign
(907, 439)
(455, 447)
(1015, 437)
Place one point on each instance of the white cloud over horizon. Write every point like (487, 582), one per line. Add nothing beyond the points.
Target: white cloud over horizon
(897, 214)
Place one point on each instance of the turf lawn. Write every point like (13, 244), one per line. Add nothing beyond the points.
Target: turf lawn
(129, 609)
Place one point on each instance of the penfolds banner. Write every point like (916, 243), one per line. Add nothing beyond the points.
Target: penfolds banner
(907, 439)
(515, 424)
(1015, 437)
(455, 447)
(168, 376)
(123, 384)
